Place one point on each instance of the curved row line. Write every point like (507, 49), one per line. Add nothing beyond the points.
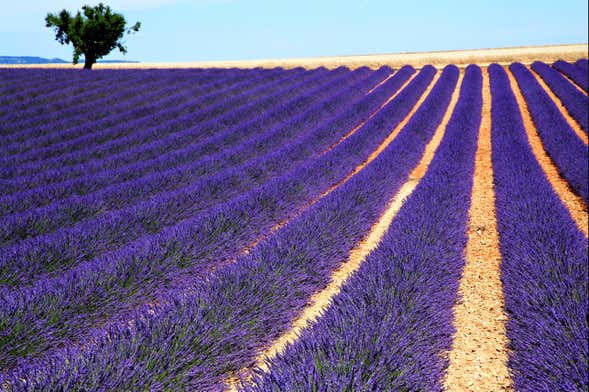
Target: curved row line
(221, 110)
(479, 354)
(179, 178)
(574, 102)
(47, 127)
(156, 157)
(330, 167)
(179, 102)
(234, 225)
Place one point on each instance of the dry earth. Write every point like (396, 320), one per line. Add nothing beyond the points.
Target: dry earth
(478, 359)
(461, 58)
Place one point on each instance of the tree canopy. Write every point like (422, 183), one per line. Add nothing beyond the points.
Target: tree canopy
(94, 32)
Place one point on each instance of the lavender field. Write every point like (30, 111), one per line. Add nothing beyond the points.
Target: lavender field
(167, 229)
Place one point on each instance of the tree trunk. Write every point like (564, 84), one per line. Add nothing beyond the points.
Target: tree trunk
(88, 62)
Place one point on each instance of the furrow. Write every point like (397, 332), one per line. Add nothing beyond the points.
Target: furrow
(377, 85)
(360, 125)
(568, 152)
(575, 126)
(575, 205)
(385, 328)
(478, 358)
(198, 366)
(321, 300)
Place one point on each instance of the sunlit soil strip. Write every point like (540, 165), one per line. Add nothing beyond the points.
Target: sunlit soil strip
(370, 158)
(390, 137)
(360, 125)
(572, 123)
(381, 82)
(478, 358)
(575, 205)
(321, 300)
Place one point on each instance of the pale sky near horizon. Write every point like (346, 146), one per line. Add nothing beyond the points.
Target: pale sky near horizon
(184, 30)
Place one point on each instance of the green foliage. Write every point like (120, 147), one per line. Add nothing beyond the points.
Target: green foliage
(94, 32)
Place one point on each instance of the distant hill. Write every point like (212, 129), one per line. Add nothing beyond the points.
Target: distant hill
(29, 60)
(42, 60)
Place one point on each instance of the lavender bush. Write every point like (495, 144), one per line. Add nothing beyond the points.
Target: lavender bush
(577, 73)
(565, 148)
(574, 101)
(392, 319)
(544, 260)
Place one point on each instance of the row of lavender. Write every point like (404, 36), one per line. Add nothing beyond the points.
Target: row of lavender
(174, 245)
(52, 175)
(392, 320)
(179, 172)
(37, 155)
(254, 294)
(197, 354)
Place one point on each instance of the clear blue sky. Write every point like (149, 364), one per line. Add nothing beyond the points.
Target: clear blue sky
(191, 30)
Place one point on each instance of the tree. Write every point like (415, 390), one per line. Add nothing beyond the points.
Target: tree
(94, 32)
